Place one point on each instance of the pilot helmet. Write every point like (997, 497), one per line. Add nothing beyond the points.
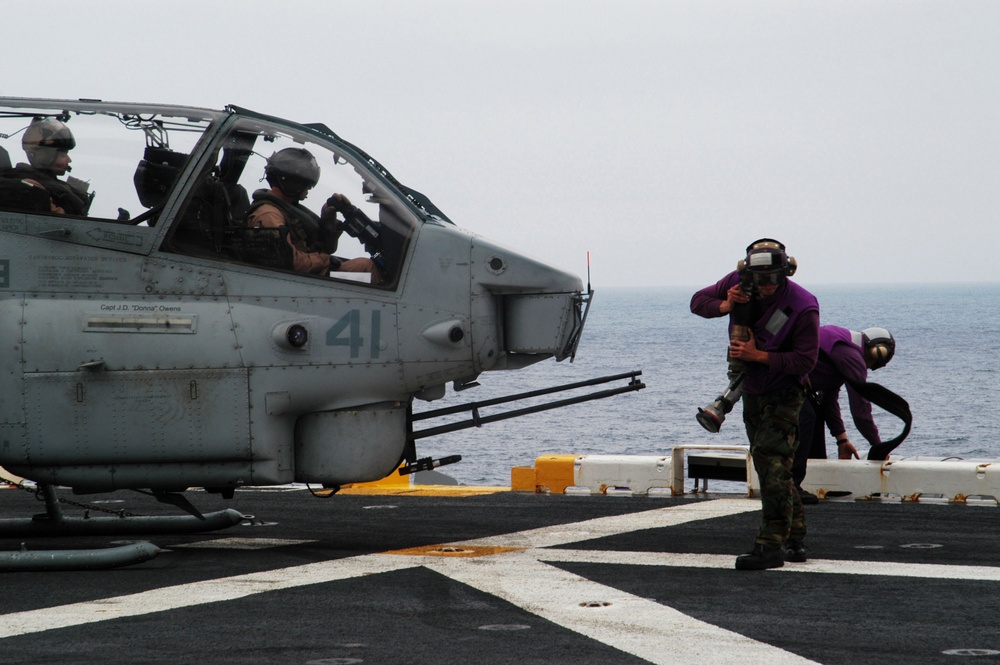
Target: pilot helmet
(767, 261)
(44, 139)
(292, 170)
(879, 346)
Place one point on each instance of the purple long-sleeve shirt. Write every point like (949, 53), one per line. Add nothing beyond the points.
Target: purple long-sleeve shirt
(842, 362)
(792, 351)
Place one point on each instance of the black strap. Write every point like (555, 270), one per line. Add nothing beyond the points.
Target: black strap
(894, 404)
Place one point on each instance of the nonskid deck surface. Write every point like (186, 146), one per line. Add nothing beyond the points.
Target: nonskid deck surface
(516, 577)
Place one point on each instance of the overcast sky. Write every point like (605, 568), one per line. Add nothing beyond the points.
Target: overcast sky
(662, 136)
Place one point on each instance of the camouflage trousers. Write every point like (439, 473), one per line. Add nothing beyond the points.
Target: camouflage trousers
(772, 423)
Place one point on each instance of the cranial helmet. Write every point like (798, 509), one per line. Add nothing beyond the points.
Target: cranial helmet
(293, 171)
(44, 139)
(879, 345)
(767, 257)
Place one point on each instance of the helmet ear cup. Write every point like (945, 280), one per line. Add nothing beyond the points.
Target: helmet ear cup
(791, 267)
(879, 355)
(880, 346)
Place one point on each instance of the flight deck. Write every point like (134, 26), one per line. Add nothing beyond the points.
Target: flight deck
(461, 574)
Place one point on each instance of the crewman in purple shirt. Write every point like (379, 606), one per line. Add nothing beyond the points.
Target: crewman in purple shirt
(780, 349)
(845, 357)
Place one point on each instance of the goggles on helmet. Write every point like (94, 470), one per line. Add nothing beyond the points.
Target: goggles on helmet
(60, 144)
(765, 278)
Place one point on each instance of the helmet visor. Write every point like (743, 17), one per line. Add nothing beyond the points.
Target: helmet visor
(60, 143)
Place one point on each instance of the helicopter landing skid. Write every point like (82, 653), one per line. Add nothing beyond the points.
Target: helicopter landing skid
(54, 523)
(124, 554)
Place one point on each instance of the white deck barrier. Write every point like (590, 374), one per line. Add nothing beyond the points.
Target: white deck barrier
(617, 474)
(634, 474)
(907, 479)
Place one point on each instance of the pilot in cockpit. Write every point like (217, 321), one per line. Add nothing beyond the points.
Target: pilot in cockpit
(47, 143)
(291, 173)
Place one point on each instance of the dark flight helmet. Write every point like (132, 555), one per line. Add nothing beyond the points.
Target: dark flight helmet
(767, 261)
(292, 170)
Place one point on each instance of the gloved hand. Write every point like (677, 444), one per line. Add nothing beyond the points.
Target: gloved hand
(328, 219)
(330, 227)
(338, 202)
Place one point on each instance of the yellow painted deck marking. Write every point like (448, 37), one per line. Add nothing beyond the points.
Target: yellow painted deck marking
(424, 490)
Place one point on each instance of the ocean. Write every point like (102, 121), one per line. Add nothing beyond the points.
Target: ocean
(947, 366)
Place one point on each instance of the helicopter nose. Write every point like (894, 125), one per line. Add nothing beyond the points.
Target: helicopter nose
(542, 309)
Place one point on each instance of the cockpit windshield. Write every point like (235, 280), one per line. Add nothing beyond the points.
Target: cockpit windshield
(287, 200)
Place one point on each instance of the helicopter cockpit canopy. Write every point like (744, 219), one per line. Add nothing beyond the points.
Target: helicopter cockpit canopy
(200, 170)
(100, 150)
(214, 219)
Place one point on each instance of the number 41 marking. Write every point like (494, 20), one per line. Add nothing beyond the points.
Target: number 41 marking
(347, 332)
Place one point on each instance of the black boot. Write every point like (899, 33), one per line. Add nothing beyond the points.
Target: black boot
(795, 551)
(761, 557)
(807, 498)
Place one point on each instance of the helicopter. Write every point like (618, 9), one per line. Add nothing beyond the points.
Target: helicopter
(156, 341)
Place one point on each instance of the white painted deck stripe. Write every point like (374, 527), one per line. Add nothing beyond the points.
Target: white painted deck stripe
(602, 527)
(197, 593)
(641, 627)
(726, 561)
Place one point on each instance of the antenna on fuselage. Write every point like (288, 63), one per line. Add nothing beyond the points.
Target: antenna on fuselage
(588, 271)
